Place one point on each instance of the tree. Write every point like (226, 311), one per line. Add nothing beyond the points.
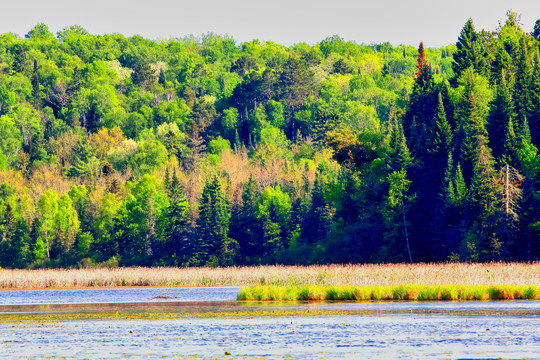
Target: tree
(48, 208)
(501, 114)
(536, 30)
(67, 226)
(136, 222)
(214, 247)
(534, 101)
(396, 211)
(318, 220)
(143, 74)
(521, 87)
(245, 225)
(274, 213)
(443, 132)
(36, 91)
(173, 246)
(469, 51)
(419, 123)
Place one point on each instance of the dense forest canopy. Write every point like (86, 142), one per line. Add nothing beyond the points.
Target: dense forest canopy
(202, 151)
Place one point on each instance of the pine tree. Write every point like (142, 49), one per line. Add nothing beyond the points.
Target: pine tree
(36, 93)
(214, 247)
(501, 114)
(443, 132)
(419, 124)
(245, 226)
(399, 156)
(534, 102)
(465, 56)
(521, 87)
(474, 133)
(511, 146)
(536, 30)
(318, 220)
(173, 247)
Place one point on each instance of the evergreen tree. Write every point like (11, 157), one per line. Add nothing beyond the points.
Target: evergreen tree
(501, 114)
(443, 132)
(245, 225)
(466, 55)
(511, 146)
(419, 124)
(36, 92)
(536, 30)
(173, 225)
(318, 220)
(214, 247)
(534, 102)
(521, 87)
(142, 74)
(399, 156)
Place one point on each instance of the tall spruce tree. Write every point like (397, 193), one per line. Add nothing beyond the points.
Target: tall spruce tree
(419, 124)
(214, 247)
(501, 114)
(534, 102)
(521, 88)
(245, 226)
(173, 245)
(466, 54)
(443, 132)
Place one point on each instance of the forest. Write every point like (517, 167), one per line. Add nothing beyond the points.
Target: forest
(200, 151)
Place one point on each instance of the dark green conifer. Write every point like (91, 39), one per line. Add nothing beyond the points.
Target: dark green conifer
(214, 247)
(465, 56)
(521, 87)
(443, 132)
(534, 102)
(501, 114)
(36, 92)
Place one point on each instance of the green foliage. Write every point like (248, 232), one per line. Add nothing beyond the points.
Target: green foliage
(203, 151)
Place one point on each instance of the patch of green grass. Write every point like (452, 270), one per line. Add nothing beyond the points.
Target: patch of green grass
(399, 292)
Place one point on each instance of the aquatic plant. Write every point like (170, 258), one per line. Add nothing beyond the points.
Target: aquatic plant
(399, 292)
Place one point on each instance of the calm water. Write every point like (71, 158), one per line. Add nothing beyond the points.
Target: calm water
(399, 330)
(120, 295)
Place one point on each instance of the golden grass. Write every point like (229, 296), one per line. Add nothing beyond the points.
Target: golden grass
(327, 275)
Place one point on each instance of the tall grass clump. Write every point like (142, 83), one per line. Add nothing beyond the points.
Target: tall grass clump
(393, 293)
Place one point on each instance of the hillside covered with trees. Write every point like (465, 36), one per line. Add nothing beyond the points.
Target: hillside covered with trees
(205, 152)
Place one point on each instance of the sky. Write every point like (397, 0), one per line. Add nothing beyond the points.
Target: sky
(436, 23)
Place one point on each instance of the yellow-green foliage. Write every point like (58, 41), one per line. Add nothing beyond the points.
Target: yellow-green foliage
(400, 292)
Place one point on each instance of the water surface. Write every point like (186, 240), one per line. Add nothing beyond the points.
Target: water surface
(308, 337)
(117, 295)
(346, 330)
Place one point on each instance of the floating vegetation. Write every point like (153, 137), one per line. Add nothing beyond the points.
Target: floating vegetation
(399, 292)
(323, 275)
(143, 315)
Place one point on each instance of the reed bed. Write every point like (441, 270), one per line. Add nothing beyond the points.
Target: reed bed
(487, 274)
(399, 292)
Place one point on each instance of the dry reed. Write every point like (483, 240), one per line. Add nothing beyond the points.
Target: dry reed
(324, 275)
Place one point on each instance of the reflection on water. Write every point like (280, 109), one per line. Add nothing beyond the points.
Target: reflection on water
(117, 295)
(368, 336)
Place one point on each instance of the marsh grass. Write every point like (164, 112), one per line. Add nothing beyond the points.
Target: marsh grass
(338, 276)
(399, 292)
